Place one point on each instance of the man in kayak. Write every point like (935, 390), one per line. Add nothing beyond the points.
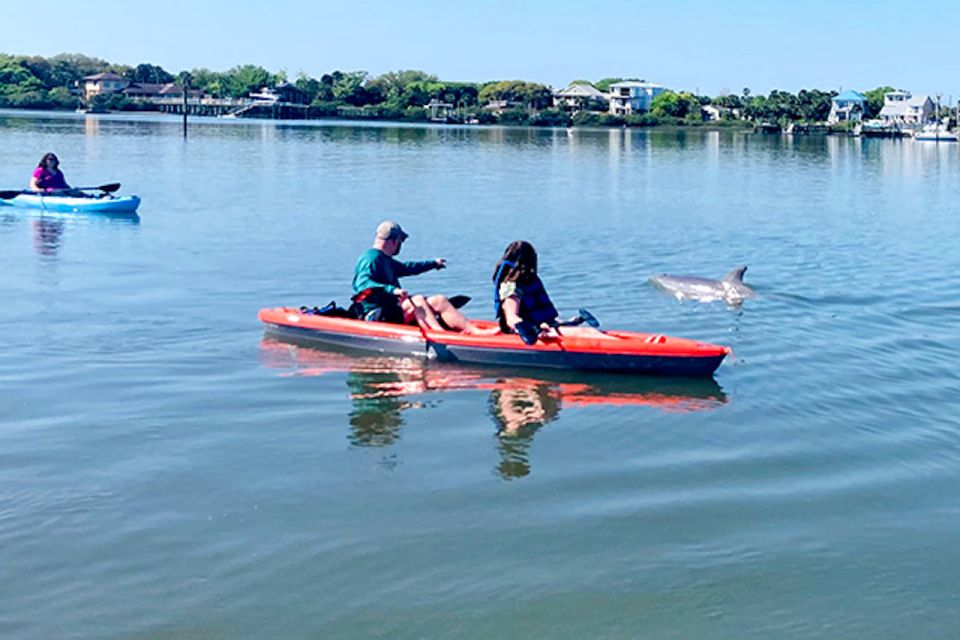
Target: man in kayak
(377, 292)
(47, 176)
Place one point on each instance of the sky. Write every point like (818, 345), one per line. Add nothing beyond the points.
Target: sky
(694, 45)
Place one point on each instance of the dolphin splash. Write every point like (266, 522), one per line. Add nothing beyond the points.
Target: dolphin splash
(731, 288)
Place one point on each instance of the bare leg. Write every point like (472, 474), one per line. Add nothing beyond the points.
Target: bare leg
(422, 312)
(450, 314)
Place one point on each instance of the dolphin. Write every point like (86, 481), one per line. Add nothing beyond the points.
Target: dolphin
(730, 289)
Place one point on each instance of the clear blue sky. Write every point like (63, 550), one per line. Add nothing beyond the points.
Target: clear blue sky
(687, 44)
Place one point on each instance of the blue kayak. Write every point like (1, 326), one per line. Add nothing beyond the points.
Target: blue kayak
(73, 204)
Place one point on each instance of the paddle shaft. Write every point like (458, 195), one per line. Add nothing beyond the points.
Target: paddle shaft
(106, 188)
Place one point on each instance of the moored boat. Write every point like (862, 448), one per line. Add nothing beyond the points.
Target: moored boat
(575, 348)
(935, 133)
(106, 204)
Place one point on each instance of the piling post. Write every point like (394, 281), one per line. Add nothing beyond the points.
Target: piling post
(185, 83)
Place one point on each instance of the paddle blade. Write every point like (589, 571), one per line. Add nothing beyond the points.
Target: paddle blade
(527, 332)
(106, 188)
(459, 301)
(7, 195)
(589, 319)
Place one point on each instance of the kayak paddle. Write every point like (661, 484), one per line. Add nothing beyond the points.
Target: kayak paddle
(589, 318)
(106, 188)
(530, 333)
(458, 301)
(583, 317)
(527, 332)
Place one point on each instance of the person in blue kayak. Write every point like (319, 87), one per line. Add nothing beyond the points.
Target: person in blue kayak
(377, 291)
(47, 176)
(521, 302)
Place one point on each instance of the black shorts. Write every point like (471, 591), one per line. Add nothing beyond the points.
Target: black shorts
(381, 313)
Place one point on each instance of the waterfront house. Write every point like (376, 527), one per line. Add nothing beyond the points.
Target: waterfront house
(103, 83)
(173, 90)
(439, 111)
(581, 97)
(497, 107)
(713, 113)
(283, 92)
(901, 108)
(849, 106)
(155, 92)
(143, 90)
(632, 96)
(291, 94)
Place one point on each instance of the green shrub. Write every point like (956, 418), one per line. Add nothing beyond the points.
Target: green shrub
(483, 117)
(322, 109)
(551, 118)
(610, 120)
(514, 117)
(415, 114)
(587, 119)
(643, 120)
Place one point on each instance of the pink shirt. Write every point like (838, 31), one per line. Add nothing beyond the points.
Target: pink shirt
(48, 180)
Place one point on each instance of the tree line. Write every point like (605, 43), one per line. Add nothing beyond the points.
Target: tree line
(44, 83)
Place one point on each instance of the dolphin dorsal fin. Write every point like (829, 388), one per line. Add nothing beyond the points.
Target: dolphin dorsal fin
(736, 275)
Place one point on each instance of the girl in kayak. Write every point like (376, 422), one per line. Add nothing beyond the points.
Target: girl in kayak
(519, 296)
(47, 176)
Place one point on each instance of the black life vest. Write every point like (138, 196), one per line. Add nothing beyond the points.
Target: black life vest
(535, 305)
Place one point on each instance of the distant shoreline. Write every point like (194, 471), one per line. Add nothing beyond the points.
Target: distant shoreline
(249, 91)
(736, 125)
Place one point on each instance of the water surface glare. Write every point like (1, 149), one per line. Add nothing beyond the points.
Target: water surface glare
(168, 471)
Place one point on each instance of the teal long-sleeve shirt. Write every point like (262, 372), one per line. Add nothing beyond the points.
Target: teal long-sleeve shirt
(377, 270)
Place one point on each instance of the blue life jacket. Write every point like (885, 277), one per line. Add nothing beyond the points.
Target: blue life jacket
(535, 305)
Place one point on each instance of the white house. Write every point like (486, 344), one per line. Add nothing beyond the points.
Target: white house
(497, 107)
(849, 106)
(712, 113)
(103, 83)
(903, 108)
(578, 97)
(632, 96)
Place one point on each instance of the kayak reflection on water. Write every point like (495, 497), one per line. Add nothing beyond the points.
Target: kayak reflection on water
(382, 388)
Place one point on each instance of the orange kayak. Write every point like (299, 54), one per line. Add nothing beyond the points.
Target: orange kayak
(574, 348)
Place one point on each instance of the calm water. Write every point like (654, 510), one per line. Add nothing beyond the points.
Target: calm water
(167, 472)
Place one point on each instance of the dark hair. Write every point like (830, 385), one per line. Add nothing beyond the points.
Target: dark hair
(47, 156)
(518, 264)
